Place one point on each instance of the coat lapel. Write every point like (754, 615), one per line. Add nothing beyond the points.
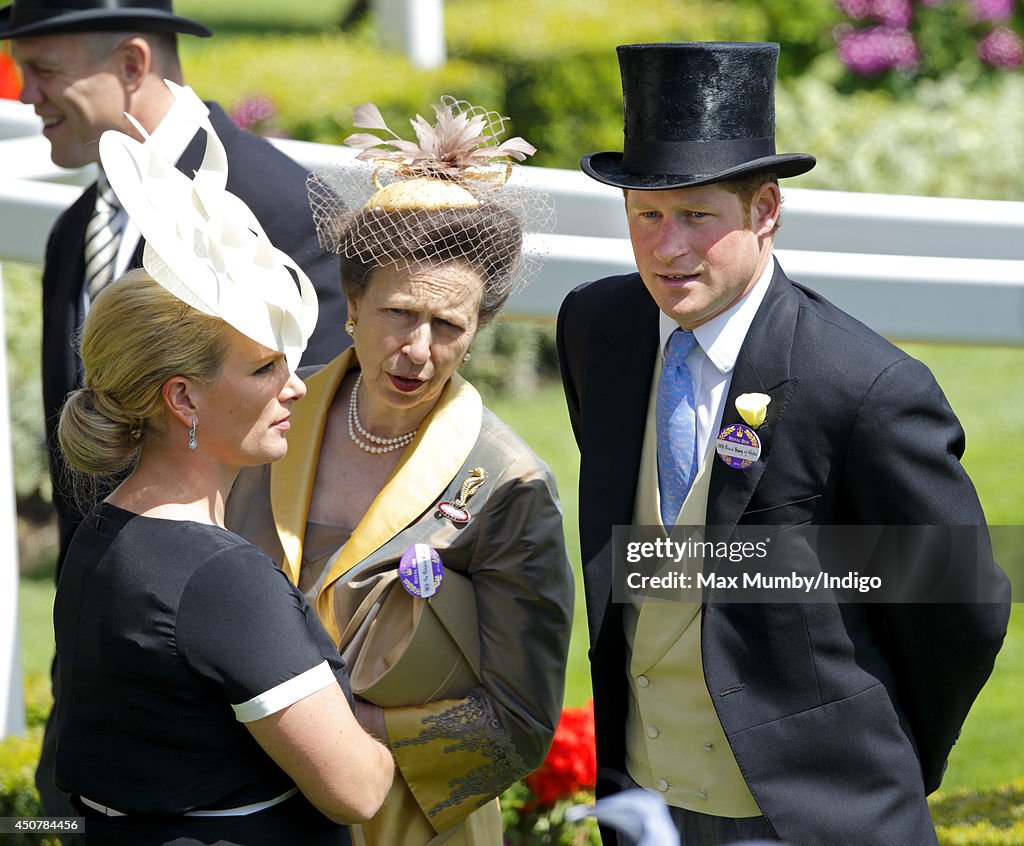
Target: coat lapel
(429, 464)
(291, 478)
(426, 470)
(619, 381)
(762, 367)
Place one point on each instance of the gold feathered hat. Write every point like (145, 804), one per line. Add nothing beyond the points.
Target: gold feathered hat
(456, 163)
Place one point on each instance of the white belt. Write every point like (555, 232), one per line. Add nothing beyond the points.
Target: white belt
(240, 811)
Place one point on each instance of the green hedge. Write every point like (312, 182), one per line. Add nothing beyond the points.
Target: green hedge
(549, 66)
(954, 137)
(944, 139)
(18, 796)
(18, 756)
(315, 81)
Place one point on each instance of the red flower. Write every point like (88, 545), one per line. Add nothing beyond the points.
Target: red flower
(571, 763)
(10, 80)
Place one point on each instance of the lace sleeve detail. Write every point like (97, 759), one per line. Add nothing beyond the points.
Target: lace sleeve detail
(471, 725)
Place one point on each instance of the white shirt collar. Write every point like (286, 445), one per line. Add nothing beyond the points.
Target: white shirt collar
(171, 137)
(722, 336)
(174, 133)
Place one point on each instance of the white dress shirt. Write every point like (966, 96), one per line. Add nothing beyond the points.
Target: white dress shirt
(713, 359)
(171, 138)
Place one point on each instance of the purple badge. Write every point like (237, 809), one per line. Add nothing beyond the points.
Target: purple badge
(738, 446)
(420, 570)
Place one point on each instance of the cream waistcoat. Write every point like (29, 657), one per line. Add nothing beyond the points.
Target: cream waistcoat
(675, 744)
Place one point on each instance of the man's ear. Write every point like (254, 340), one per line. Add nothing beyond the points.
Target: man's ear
(177, 395)
(765, 209)
(135, 59)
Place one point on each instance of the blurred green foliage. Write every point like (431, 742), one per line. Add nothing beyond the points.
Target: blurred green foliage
(315, 81)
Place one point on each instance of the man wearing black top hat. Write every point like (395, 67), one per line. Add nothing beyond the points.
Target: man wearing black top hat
(85, 63)
(814, 723)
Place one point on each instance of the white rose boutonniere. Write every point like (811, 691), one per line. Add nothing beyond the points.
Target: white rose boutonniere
(753, 408)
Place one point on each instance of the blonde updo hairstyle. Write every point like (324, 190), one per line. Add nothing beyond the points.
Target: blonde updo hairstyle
(137, 335)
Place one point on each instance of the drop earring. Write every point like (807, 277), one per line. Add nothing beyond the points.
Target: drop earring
(192, 443)
(467, 356)
(350, 327)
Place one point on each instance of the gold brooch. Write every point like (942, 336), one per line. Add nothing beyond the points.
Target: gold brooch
(456, 509)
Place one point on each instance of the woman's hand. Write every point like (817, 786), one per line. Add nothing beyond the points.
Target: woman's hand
(339, 768)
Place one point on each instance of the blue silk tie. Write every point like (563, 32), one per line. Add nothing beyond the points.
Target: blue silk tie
(677, 427)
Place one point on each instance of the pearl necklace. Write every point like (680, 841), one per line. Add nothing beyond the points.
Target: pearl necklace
(365, 440)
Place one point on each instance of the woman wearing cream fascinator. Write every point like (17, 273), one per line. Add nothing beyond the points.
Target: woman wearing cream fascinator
(425, 532)
(198, 698)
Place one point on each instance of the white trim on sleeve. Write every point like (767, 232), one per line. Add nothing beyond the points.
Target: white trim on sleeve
(285, 694)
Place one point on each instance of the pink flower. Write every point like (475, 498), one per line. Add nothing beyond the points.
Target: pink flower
(894, 13)
(992, 11)
(1001, 48)
(886, 12)
(856, 9)
(252, 111)
(870, 51)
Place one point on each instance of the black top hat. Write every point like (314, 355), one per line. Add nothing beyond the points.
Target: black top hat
(695, 114)
(25, 18)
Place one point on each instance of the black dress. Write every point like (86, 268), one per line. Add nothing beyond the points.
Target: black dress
(170, 635)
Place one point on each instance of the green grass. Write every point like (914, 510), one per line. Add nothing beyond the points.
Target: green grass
(985, 387)
(989, 751)
(35, 625)
(543, 422)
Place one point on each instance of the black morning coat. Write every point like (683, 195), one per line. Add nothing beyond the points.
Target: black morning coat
(841, 716)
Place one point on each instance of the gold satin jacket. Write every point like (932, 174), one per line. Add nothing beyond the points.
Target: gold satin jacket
(458, 753)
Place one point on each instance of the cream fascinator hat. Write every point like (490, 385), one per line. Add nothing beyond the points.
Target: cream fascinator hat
(203, 244)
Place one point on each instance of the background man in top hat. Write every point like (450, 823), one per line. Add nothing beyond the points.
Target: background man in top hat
(85, 63)
(814, 723)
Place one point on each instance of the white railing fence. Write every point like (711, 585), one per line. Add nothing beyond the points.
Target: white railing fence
(913, 268)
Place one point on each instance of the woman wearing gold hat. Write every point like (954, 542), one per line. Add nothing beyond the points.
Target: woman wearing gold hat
(425, 532)
(198, 698)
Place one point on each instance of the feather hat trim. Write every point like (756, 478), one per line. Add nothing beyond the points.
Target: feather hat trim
(456, 181)
(460, 145)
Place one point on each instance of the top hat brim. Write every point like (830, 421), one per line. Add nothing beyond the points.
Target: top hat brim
(102, 20)
(608, 168)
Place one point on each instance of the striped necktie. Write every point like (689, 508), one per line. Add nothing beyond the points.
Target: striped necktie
(102, 238)
(677, 427)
